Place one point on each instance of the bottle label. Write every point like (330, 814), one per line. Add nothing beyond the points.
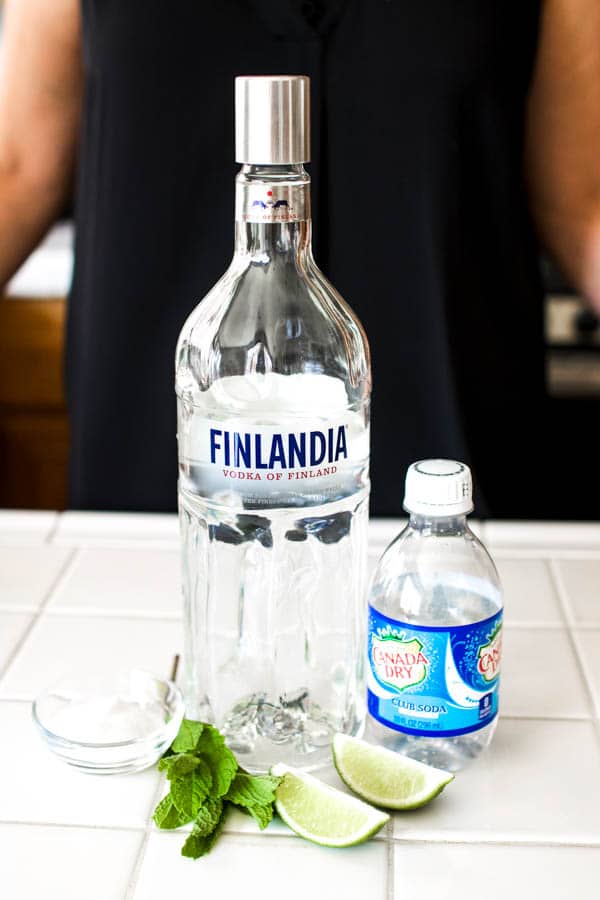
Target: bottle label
(435, 682)
(236, 457)
(270, 454)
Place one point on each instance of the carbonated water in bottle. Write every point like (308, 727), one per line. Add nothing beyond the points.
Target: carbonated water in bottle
(435, 627)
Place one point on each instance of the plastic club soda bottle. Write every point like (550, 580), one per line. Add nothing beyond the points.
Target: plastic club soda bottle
(435, 627)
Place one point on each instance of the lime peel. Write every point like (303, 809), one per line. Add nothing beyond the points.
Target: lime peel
(384, 777)
(322, 814)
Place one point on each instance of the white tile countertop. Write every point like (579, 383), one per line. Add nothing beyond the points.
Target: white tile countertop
(80, 588)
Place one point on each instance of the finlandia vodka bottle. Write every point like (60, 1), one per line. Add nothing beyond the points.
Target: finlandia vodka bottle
(273, 386)
(435, 627)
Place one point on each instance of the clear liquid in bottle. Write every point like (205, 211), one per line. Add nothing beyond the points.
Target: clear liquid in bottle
(273, 385)
(435, 628)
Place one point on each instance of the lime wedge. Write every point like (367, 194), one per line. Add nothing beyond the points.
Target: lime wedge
(384, 777)
(321, 813)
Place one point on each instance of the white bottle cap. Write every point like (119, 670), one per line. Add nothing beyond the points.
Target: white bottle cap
(438, 487)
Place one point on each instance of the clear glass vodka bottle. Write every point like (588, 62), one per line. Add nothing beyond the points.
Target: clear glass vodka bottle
(435, 627)
(273, 385)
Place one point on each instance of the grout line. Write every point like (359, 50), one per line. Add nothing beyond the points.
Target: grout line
(141, 855)
(391, 887)
(106, 616)
(561, 593)
(14, 700)
(391, 840)
(499, 842)
(270, 835)
(14, 609)
(583, 668)
(53, 529)
(544, 553)
(60, 578)
(38, 824)
(57, 581)
(547, 718)
(585, 626)
(275, 835)
(572, 637)
(260, 836)
(139, 543)
(128, 615)
(239, 833)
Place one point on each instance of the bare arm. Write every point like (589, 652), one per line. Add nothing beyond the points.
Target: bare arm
(563, 141)
(40, 94)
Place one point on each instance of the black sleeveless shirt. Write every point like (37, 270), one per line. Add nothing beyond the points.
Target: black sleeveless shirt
(420, 221)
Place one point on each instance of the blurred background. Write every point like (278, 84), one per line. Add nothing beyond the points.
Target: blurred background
(34, 426)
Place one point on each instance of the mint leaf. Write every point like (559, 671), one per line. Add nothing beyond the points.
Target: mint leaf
(221, 761)
(181, 764)
(198, 844)
(201, 770)
(178, 764)
(208, 816)
(189, 792)
(188, 736)
(166, 814)
(255, 794)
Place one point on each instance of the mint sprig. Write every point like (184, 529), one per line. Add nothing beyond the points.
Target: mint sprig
(254, 794)
(205, 780)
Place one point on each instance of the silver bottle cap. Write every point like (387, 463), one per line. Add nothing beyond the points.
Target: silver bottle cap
(272, 119)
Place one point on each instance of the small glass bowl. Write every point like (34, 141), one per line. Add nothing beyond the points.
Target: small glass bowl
(110, 724)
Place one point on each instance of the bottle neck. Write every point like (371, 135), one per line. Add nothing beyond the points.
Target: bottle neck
(272, 213)
(438, 525)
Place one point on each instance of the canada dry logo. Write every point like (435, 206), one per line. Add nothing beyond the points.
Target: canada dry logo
(490, 653)
(397, 663)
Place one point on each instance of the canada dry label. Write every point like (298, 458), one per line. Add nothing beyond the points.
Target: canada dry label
(433, 681)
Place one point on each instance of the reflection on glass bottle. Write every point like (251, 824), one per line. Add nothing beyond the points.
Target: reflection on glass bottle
(273, 384)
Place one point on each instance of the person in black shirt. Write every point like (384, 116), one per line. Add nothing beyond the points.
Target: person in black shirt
(443, 135)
